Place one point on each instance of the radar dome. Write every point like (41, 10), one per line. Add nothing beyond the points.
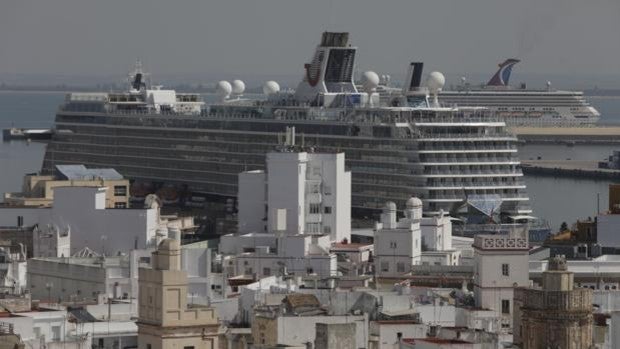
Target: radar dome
(271, 87)
(370, 80)
(435, 81)
(238, 87)
(224, 88)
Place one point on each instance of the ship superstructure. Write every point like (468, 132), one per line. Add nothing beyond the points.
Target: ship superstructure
(522, 106)
(458, 160)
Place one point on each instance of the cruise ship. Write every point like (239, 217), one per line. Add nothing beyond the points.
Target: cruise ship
(459, 160)
(523, 106)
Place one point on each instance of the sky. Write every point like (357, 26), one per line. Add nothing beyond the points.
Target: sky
(276, 37)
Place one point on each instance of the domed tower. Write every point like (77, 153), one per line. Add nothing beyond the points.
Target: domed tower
(164, 318)
(413, 208)
(388, 217)
(556, 315)
(398, 243)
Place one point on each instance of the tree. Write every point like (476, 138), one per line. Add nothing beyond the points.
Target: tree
(563, 226)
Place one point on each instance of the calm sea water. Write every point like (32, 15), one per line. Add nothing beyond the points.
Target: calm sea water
(555, 199)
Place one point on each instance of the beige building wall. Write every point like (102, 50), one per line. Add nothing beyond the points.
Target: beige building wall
(39, 191)
(166, 321)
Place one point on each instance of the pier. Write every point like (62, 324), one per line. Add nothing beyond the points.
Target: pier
(569, 135)
(569, 168)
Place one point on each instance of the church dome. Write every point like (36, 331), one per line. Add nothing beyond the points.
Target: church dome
(414, 202)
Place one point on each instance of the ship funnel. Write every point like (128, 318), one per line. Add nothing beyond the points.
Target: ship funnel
(331, 68)
(414, 76)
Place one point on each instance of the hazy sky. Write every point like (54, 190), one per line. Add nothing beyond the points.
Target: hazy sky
(277, 36)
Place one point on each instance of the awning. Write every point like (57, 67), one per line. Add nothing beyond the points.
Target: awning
(487, 204)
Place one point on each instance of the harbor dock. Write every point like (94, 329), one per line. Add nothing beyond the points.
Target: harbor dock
(569, 135)
(569, 168)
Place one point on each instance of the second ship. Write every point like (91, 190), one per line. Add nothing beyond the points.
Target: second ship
(458, 160)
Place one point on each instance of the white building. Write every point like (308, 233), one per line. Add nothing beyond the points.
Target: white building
(263, 255)
(50, 241)
(116, 277)
(501, 264)
(387, 334)
(13, 266)
(300, 193)
(412, 240)
(83, 212)
(290, 215)
(398, 244)
(608, 229)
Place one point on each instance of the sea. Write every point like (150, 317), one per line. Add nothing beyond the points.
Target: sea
(555, 200)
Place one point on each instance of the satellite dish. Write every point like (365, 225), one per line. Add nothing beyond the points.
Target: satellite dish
(223, 88)
(370, 81)
(271, 87)
(238, 87)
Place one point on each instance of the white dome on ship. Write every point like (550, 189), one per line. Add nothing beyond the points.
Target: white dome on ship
(370, 80)
(224, 88)
(238, 87)
(435, 81)
(271, 87)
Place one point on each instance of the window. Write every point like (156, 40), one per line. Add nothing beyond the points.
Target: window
(148, 346)
(120, 205)
(385, 266)
(20, 221)
(120, 190)
(327, 190)
(400, 267)
(189, 347)
(266, 271)
(309, 270)
(505, 270)
(505, 306)
(327, 210)
(327, 230)
(56, 333)
(313, 228)
(392, 244)
(314, 208)
(36, 331)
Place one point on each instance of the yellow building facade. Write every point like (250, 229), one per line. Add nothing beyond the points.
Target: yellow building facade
(165, 320)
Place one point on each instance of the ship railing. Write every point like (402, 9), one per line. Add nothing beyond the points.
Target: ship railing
(464, 148)
(469, 159)
(474, 184)
(482, 136)
(472, 172)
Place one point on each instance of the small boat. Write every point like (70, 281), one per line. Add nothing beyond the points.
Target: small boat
(14, 133)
